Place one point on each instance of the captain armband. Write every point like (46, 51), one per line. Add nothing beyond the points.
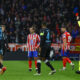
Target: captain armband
(41, 34)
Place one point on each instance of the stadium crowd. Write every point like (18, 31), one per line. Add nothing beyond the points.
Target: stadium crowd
(19, 15)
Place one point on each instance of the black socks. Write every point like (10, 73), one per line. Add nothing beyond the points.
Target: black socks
(49, 65)
(39, 66)
(1, 65)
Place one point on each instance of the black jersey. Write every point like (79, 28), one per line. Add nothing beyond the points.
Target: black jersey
(3, 41)
(45, 36)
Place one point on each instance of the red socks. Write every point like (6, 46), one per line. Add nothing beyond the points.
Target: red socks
(65, 60)
(68, 60)
(30, 64)
(36, 64)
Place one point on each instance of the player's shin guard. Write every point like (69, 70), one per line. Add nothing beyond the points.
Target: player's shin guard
(39, 66)
(49, 65)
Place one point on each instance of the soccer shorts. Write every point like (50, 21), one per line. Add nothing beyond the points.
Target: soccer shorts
(45, 52)
(32, 54)
(1, 50)
(64, 53)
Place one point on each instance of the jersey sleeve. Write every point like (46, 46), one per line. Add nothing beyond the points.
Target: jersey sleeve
(38, 41)
(64, 36)
(69, 38)
(27, 41)
(42, 38)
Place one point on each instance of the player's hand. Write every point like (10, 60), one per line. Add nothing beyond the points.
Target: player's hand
(77, 17)
(36, 48)
(65, 49)
(39, 49)
(27, 48)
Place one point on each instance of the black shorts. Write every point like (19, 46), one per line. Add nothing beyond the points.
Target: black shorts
(2, 48)
(45, 52)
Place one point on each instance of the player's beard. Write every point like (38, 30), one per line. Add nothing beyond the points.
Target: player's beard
(62, 32)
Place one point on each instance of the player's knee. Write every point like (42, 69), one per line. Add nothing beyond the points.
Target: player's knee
(29, 58)
(1, 61)
(35, 58)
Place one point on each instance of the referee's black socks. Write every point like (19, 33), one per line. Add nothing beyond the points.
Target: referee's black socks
(49, 65)
(1, 65)
(39, 66)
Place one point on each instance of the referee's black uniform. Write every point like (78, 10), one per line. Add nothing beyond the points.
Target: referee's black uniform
(45, 43)
(3, 43)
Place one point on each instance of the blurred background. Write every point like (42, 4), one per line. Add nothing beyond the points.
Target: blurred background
(18, 15)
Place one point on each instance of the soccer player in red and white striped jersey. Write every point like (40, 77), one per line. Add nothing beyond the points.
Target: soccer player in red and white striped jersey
(66, 39)
(33, 43)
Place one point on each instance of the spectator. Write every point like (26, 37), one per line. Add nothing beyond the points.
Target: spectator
(75, 33)
(12, 34)
(54, 37)
(24, 13)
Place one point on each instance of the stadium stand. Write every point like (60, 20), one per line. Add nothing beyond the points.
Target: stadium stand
(19, 15)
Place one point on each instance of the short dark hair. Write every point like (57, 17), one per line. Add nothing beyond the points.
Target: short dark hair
(34, 27)
(63, 27)
(44, 24)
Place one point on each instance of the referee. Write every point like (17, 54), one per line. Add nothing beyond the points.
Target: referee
(45, 47)
(3, 47)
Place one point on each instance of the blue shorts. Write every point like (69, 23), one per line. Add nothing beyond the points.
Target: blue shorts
(64, 53)
(32, 54)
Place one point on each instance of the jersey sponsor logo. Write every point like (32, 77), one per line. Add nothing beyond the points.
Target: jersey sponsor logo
(34, 37)
(31, 42)
(64, 36)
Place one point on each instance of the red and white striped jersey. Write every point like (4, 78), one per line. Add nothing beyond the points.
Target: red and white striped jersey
(33, 42)
(68, 38)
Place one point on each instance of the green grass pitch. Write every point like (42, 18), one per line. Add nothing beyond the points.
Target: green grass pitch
(18, 70)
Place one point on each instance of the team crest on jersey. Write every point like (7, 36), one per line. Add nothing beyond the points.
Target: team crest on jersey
(34, 37)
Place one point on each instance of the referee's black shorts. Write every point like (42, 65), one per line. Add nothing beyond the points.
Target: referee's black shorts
(2, 47)
(45, 52)
(1, 50)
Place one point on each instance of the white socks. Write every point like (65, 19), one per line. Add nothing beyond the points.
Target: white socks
(64, 68)
(71, 64)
